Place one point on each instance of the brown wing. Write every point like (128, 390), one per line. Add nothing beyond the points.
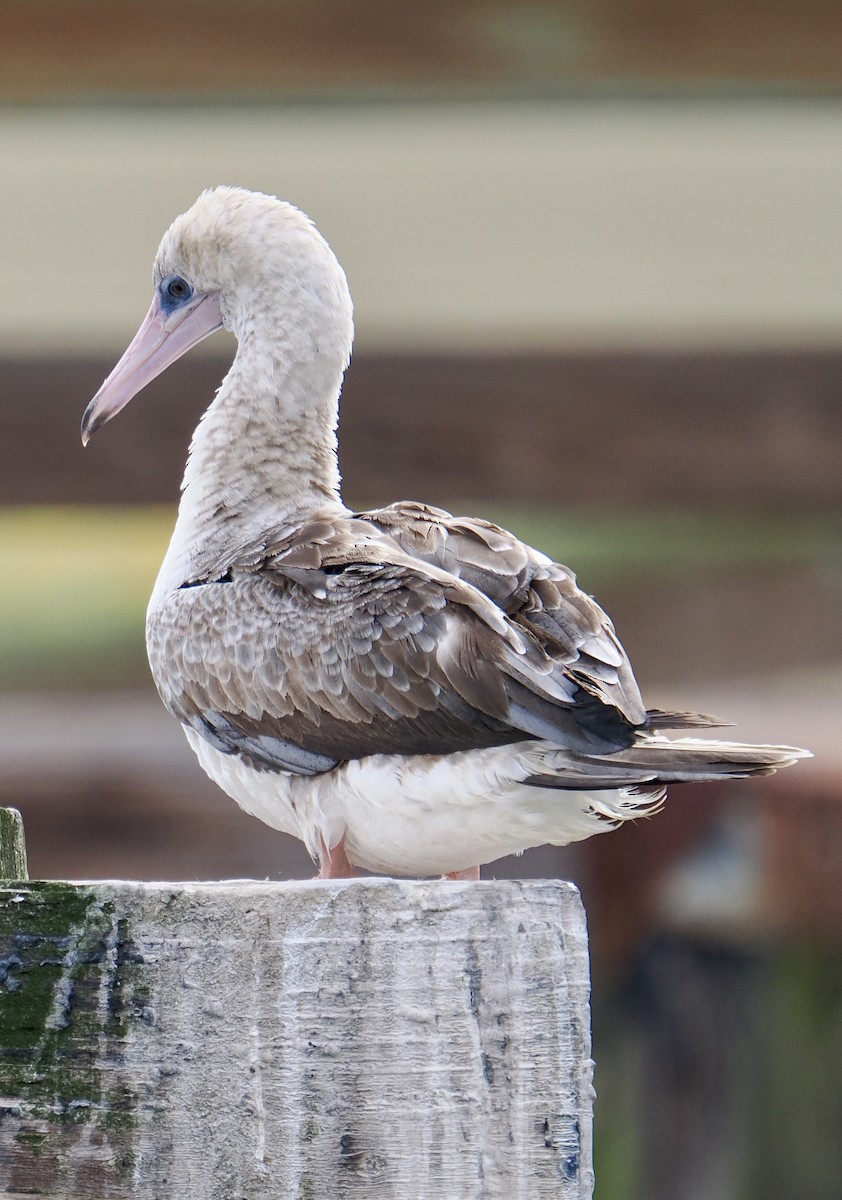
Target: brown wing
(338, 644)
(540, 596)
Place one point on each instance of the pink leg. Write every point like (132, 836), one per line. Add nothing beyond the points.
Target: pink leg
(468, 873)
(334, 863)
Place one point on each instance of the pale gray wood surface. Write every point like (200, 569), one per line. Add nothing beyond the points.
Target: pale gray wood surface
(246, 1041)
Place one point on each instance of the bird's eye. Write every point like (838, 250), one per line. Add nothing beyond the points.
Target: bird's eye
(175, 292)
(178, 288)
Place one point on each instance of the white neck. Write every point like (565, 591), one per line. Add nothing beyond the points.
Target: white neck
(264, 454)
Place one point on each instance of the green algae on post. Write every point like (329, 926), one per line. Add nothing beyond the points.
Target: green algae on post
(64, 967)
(68, 976)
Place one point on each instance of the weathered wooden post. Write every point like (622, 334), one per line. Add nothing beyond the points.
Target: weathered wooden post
(251, 1041)
(12, 845)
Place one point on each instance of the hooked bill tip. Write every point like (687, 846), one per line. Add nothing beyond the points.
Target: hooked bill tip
(90, 424)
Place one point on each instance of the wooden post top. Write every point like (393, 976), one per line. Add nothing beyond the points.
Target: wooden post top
(367, 1038)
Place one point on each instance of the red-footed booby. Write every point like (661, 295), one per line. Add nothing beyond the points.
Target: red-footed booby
(406, 691)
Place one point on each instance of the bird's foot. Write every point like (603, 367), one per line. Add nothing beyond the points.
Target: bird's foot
(334, 863)
(468, 873)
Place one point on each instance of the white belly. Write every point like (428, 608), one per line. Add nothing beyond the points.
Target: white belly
(421, 815)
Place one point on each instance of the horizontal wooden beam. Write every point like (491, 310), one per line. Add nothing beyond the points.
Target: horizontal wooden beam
(742, 429)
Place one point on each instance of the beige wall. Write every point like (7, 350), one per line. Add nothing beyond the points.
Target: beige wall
(489, 226)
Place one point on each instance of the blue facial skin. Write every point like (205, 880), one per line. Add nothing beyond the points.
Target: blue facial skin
(175, 292)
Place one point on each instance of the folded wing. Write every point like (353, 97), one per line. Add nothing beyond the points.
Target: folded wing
(354, 636)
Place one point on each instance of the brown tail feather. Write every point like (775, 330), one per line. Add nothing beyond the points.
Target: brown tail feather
(656, 760)
(658, 718)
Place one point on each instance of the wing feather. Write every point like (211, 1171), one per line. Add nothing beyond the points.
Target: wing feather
(539, 596)
(409, 632)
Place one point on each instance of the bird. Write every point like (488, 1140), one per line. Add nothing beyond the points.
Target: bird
(408, 692)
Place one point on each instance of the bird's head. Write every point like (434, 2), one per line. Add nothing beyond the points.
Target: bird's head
(238, 259)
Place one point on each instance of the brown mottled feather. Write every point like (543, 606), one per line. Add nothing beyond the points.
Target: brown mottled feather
(540, 596)
(401, 631)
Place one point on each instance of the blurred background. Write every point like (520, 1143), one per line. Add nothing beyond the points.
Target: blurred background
(595, 255)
